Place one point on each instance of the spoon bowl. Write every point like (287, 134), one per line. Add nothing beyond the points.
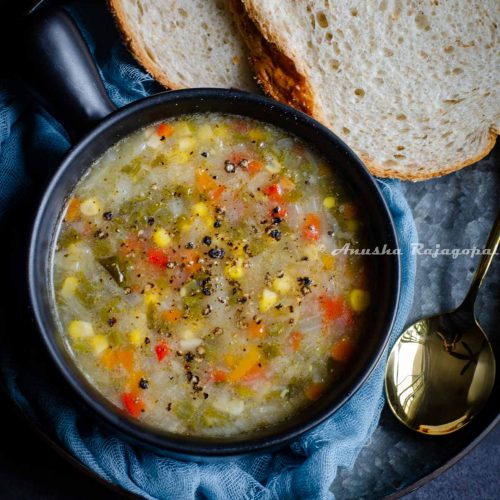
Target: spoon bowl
(435, 388)
(441, 370)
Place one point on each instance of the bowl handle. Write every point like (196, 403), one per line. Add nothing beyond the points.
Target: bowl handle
(61, 72)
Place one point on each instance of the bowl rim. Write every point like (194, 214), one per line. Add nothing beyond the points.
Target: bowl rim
(189, 446)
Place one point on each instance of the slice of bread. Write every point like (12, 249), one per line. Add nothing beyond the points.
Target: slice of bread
(412, 87)
(188, 43)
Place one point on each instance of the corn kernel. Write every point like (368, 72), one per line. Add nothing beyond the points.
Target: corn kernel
(185, 227)
(359, 299)
(267, 300)
(208, 221)
(90, 207)
(283, 284)
(236, 271)
(99, 344)
(80, 329)
(151, 298)
(69, 286)
(136, 337)
(329, 202)
(200, 209)
(161, 237)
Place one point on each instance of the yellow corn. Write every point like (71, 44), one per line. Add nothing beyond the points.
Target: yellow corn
(235, 271)
(283, 284)
(151, 298)
(267, 300)
(200, 209)
(78, 330)
(136, 337)
(329, 202)
(359, 299)
(90, 207)
(99, 344)
(69, 286)
(161, 237)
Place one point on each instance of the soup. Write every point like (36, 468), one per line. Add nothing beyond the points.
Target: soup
(196, 279)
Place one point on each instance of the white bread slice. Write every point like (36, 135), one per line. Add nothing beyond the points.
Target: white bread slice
(185, 43)
(411, 86)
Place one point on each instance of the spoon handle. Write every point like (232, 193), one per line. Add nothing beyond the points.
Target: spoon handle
(484, 264)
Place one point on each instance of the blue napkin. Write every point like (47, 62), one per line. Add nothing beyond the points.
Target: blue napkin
(306, 469)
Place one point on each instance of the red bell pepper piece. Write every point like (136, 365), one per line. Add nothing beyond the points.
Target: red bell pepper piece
(162, 350)
(133, 403)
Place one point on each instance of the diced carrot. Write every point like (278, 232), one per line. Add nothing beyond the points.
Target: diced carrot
(73, 210)
(342, 350)
(254, 167)
(133, 403)
(157, 257)
(256, 330)
(349, 210)
(219, 376)
(328, 261)
(314, 391)
(311, 227)
(215, 194)
(230, 360)
(333, 307)
(295, 340)
(255, 373)
(108, 359)
(162, 350)
(165, 130)
(172, 315)
(190, 260)
(134, 379)
(274, 192)
(125, 358)
(246, 363)
(204, 181)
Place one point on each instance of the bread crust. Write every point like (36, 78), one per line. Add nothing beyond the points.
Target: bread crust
(136, 48)
(276, 72)
(276, 51)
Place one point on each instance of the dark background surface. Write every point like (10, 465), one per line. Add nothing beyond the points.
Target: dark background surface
(30, 469)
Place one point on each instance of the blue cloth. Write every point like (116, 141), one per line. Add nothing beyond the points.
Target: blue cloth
(306, 469)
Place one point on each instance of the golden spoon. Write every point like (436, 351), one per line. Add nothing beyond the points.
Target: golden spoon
(441, 371)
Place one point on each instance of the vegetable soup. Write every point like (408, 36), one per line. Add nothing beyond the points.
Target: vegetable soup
(195, 276)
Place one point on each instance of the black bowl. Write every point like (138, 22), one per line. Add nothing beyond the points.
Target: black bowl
(386, 278)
